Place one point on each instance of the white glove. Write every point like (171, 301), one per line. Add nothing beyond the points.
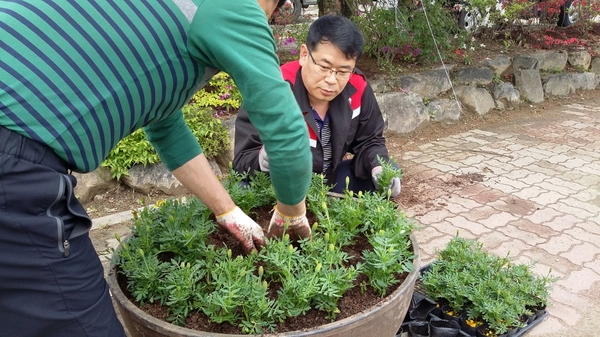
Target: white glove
(395, 186)
(298, 227)
(244, 229)
(263, 160)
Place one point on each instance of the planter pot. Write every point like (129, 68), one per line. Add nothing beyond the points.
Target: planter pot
(384, 319)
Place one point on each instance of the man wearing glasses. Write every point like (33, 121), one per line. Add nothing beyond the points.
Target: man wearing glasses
(339, 107)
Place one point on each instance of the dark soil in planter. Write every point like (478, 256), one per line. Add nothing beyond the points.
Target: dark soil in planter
(353, 301)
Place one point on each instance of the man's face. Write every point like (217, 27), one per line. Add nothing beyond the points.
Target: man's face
(321, 84)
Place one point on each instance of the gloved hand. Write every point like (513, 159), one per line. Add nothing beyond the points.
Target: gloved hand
(263, 160)
(298, 227)
(395, 186)
(244, 229)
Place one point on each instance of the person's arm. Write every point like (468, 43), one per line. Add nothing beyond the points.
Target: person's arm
(247, 144)
(234, 36)
(369, 141)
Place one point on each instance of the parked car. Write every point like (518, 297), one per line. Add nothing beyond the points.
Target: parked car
(296, 6)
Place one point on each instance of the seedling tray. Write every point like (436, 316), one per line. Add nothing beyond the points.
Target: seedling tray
(419, 295)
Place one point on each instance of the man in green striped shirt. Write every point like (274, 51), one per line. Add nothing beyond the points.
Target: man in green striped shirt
(78, 76)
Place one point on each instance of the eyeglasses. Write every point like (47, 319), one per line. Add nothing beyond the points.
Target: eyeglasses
(326, 71)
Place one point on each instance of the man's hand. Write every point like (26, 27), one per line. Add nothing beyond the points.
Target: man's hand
(296, 226)
(244, 229)
(263, 160)
(394, 186)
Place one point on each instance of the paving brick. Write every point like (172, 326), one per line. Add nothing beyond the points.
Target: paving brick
(538, 153)
(476, 140)
(492, 239)
(560, 294)
(582, 253)
(473, 160)
(448, 163)
(434, 216)
(558, 181)
(523, 161)
(564, 208)
(511, 248)
(580, 280)
(435, 245)
(542, 231)
(544, 167)
(587, 195)
(427, 234)
(471, 190)
(542, 215)
(589, 226)
(488, 196)
(559, 244)
(589, 207)
(516, 183)
(551, 326)
(498, 220)
(518, 173)
(446, 227)
(560, 266)
(516, 233)
(562, 190)
(438, 166)
(479, 213)
(455, 208)
(588, 180)
(508, 205)
(573, 163)
(535, 178)
(583, 235)
(504, 188)
(562, 223)
(516, 147)
(567, 314)
(529, 192)
(595, 264)
(465, 202)
(591, 169)
(461, 222)
(546, 198)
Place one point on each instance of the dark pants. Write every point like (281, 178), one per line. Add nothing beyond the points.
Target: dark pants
(51, 279)
(355, 184)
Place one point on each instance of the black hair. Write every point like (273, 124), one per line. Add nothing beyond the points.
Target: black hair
(339, 31)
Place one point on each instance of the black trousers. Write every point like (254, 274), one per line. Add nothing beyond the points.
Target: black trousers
(355, 184)
(51, 279)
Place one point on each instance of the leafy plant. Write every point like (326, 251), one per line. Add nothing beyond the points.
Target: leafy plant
(136, 149)
(485, 286)
(170, 258)
(220, 94)
(390, 171)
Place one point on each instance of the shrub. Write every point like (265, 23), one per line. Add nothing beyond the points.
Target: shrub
(408, 32)
(136, 149)
(220, 94)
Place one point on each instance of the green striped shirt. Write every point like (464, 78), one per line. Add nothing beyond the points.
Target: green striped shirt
(81, 75)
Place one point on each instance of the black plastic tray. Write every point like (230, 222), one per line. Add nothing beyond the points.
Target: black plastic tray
(419, 292)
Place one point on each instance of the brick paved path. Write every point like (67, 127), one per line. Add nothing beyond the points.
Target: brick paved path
(530, 190)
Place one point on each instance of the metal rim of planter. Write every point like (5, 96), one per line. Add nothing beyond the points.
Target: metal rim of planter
(130, 312)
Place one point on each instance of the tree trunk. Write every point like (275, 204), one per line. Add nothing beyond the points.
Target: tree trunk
(339, 7)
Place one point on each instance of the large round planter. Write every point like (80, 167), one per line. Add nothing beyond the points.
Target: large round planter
(383, 319)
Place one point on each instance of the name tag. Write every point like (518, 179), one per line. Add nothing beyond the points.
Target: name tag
(355, 112)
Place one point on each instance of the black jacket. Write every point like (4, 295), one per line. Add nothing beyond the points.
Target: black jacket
(361, 136)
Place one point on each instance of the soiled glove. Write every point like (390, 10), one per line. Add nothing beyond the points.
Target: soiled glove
(263, 160)
(244, 229)
(298, 227)
(395, 186)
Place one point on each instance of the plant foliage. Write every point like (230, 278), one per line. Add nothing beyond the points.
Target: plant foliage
(136, 149)
(485, 286)
(168, 259)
